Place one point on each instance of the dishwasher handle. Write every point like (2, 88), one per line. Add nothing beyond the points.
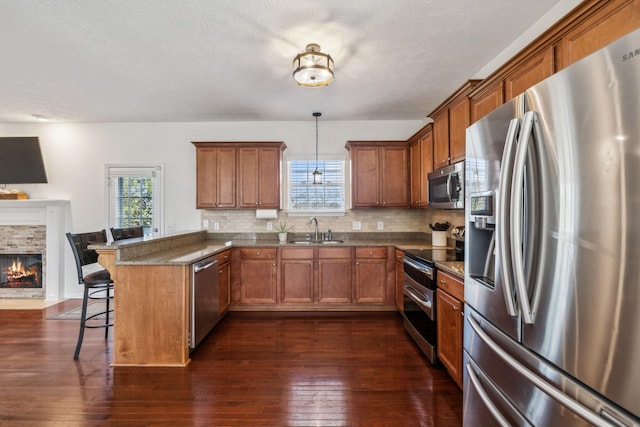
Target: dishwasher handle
(203, 265)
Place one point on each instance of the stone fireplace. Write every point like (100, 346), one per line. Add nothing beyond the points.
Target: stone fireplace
(32, 238)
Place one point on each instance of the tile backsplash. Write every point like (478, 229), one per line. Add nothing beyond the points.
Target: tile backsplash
(393, 220)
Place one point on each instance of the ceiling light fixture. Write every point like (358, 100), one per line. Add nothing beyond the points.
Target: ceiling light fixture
(317, 175)
(313, 68)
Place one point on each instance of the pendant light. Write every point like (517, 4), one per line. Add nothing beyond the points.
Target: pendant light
(313, 68)
(317, 175)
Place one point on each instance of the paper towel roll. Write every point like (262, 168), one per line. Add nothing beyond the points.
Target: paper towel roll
(266, 213)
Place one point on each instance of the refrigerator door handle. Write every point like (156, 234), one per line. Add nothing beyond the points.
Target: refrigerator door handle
(573, 405)
(517, 206)
(503, 217)
(475, 381)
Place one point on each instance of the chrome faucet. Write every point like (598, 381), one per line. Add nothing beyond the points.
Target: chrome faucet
(314, 220)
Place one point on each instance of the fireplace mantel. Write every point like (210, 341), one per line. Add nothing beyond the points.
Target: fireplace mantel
(55, 216)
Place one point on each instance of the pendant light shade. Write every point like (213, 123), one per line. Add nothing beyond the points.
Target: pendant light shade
(313, 68)
(317, 175)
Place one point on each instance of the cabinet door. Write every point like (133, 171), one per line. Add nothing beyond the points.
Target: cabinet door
(459, 121)
(366, 175)
(399, 279)
(269, 178)
(426, 166)
(224, 288)
(371, 277)
(441, 139)
(258, 281)
(334, 280)
(486, 101)
(415, 172)
(395, 180)
(206, 195)
(297, 280)
(248, 177)
(450, 324)
(529, 73)
(215, 177)
(613, 20)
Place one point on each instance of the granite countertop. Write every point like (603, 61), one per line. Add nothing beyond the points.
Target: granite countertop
(189, 247)
(193, 252)
(455, 268)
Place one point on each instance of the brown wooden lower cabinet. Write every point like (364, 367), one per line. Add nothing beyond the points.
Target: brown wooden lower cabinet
(334, 275)
(313, 278)
(371, 275)
(258, 269)
(399, 279)
(450, 315)
(224, 281)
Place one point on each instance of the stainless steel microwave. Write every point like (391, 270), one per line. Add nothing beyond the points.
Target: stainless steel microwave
(446, 187)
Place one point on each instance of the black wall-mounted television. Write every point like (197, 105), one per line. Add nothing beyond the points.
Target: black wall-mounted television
(21, 161)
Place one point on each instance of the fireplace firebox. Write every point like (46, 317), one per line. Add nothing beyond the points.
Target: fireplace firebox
(20, 270)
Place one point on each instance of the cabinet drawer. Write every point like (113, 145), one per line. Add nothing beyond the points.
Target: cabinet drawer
(297, 253)
(374, 252)
(451, 284)
(224, 257)
(258, 253)
(335, 253)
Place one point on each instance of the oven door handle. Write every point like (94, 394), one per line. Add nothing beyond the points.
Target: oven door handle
(416, 298)
(422, 268)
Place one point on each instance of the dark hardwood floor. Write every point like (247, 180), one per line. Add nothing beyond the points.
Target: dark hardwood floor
(255, 369)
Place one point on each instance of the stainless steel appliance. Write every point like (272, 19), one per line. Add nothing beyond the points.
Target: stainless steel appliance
(419, 304)
(204, 299)
(446, 187)
(552, 283)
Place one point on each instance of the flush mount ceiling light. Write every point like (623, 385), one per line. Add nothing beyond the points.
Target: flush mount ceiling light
(317, 175)
(313, 68)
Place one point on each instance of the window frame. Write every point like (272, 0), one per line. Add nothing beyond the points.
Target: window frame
(155, 171)
(317, 212)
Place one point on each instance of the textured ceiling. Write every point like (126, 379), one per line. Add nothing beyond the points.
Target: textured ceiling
(230, 60)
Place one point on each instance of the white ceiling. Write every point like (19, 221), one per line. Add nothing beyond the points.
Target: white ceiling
(230, 60)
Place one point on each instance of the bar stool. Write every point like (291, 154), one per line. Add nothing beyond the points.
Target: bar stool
(126, 233)
(95, 279)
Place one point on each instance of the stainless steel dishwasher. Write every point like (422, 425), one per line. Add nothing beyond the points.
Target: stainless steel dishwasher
(204, 299)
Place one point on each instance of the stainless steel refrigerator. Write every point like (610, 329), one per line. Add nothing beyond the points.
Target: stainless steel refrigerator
(552, 257)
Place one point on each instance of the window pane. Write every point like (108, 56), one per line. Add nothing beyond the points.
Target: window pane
(304, 195)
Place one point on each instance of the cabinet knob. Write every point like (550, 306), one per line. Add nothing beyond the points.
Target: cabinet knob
(443, 282)
(219, 271)
(257, 253)
(311, 263)
(370, 253)
(455, 308)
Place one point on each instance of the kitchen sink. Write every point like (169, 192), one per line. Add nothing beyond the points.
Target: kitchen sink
(316, 242)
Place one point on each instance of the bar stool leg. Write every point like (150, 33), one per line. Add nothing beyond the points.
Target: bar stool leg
(83, 316)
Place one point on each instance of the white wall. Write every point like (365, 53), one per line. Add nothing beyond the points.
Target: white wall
(75, 155)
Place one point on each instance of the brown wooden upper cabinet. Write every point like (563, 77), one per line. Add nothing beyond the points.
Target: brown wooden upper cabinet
(450, 122)
(215, 177)
(589, 27)
(259, 177)
(254, 166)
(379, 173)
(602, 22)
(421, 163)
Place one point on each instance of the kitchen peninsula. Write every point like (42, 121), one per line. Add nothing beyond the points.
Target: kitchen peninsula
(153, 277)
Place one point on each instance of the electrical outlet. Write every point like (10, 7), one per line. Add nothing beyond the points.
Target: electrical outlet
(216, 226)
(269, 226)
(205, 224)
(380, 225)
(356, 225)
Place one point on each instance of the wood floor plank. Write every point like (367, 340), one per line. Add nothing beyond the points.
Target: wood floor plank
(255, 369)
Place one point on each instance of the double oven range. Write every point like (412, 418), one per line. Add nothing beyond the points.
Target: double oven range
(420, 297)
